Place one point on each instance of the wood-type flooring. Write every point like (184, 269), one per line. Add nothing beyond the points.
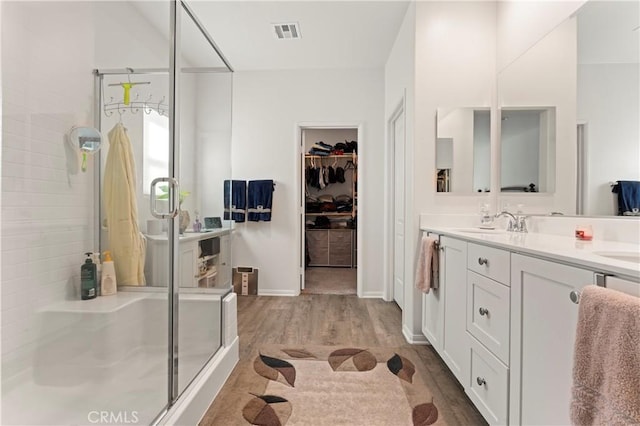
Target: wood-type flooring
(337, 320)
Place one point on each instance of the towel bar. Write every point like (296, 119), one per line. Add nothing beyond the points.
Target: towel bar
(574, 295)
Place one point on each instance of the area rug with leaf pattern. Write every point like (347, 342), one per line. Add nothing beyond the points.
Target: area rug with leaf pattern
(336, 385)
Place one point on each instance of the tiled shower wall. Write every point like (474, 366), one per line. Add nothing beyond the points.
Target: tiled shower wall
(47, 203)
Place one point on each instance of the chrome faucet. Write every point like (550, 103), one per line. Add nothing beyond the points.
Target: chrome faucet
(516, 223)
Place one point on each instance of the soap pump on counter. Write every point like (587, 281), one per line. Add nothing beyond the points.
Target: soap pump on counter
(108, 285)
(88, 279)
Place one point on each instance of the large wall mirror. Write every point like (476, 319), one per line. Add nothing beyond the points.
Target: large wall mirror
(608, 113)
(527, 149)
(587, 69)
(463, 149)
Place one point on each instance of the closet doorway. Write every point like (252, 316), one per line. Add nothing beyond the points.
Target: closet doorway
(329, 209)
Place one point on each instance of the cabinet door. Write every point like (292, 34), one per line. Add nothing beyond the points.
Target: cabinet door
(224, 262)
(455, 345)
(543, 324)
(433, 310)
(188, 264)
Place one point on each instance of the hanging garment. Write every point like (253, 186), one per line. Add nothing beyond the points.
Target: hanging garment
(128, 245)
(260, 199)
(235, 200)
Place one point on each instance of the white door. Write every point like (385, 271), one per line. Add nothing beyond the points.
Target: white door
(543, 326)
(398, 209)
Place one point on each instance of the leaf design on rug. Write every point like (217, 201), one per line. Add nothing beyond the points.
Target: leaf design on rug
(425, 414)
(401, 367)
(351, 359)
(271, 368)
(298, 353)
(267, 410)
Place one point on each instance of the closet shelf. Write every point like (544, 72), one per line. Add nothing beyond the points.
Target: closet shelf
(331, 156)
(329, 214)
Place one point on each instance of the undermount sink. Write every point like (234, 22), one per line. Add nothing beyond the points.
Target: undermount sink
(480, 230)
(626, 256)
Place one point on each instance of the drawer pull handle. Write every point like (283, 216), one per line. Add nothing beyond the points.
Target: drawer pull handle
(482, 261)
(575, 296)
(481, 381)
(483, 311)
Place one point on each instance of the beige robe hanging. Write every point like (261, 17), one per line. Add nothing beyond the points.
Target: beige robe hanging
(127, 244)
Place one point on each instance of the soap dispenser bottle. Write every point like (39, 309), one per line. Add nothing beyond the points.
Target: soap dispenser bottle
(88, 279)
(108, 285)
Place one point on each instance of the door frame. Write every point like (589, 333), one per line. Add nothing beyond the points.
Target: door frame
(389, 225)
(300, 206)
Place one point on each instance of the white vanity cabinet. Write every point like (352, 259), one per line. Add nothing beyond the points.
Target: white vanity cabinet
(204, 260)
(444, 308)
(433, 308)
(455, 343)
(543, 324)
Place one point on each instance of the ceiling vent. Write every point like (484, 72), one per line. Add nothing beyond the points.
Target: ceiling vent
(287, 31)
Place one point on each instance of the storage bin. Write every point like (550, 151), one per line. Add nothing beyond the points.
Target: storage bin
(245, 281)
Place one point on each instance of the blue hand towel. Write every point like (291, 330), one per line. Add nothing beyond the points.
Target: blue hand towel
(235, 200)
(260, 199)
(628, 196)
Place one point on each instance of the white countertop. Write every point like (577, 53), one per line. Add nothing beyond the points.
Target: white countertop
(190, 235)
(555, 248)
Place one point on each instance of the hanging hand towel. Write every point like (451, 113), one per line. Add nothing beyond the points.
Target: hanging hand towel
(235, 200)
(427, 271)
(628, 197)
(260, 198)
(606, 370)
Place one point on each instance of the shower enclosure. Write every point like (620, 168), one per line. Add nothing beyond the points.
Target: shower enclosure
(148, 353)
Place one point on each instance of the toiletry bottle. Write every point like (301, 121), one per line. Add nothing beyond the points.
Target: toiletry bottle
(108, 285)
(197, 225)
(95, 258)
(88, 279)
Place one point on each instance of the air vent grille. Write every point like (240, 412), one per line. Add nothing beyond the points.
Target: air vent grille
(287, 31)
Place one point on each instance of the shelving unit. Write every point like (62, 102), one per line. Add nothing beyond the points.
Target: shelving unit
(353, 157)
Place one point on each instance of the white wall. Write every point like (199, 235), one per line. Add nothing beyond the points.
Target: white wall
(481, 151)
(608, 104)
(400, 89)
(457, 124)
(520, 148)
(49, 50)
(521, 24)
(213, 141)
(267, 106)
(47, 213)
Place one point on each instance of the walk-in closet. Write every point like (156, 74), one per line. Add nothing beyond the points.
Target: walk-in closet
(330, 183)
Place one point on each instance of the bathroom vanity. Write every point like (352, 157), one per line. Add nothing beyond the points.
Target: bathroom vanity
(504, 316)
(204, 259)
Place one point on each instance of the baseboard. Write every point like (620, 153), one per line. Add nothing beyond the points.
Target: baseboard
(196, 399)
(372, 295)
(278, 293)
(414, 339)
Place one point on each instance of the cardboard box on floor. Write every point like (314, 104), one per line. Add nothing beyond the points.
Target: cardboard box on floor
(245, 281)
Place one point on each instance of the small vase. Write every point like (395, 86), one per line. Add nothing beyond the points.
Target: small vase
(184, 220)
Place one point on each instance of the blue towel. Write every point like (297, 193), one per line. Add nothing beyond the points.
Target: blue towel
(259, 200)
(628, 197)
(235, 200)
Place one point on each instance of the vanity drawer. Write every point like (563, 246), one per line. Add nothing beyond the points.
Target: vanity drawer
(488, 385)
(490, 262)
(488, 317)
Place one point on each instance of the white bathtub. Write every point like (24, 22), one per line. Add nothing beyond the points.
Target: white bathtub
(109, 355)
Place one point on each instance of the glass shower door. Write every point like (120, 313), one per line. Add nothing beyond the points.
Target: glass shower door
(204, 156)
